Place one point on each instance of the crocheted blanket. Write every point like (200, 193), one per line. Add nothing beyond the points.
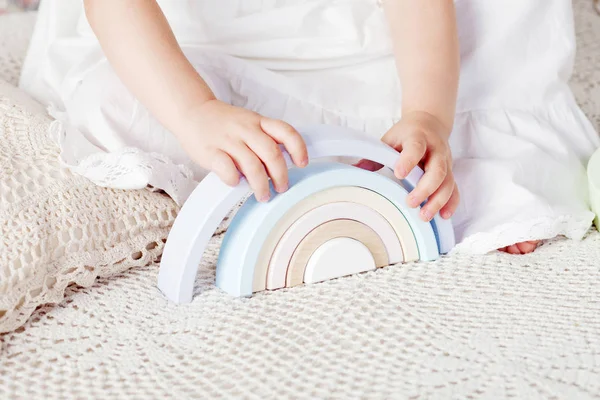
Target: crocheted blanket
(494, 326)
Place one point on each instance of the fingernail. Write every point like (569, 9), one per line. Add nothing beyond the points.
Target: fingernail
(401, 173)
(283, 188)
(264, 198)
(304, 162)
(426, 215)
(446, 214)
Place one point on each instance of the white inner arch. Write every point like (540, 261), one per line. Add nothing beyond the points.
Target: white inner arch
(306, 223)
(338, 257)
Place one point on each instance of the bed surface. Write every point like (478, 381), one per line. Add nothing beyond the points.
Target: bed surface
(494, 326)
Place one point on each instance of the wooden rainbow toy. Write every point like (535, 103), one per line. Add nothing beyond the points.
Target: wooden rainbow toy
(334, 220)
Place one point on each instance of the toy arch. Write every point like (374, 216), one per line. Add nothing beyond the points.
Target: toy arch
(212, 200)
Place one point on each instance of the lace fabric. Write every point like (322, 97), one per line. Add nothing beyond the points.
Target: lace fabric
(16, 30)
(57, 228)
(467, 326)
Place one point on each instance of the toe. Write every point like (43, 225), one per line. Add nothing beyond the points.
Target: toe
(514, 249)
(527, 247)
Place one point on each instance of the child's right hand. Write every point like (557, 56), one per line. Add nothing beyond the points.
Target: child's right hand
(227, 139)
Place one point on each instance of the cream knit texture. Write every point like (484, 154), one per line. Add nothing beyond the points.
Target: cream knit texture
(465, 327)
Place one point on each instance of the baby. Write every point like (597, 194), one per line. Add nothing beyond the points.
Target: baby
(158, 93)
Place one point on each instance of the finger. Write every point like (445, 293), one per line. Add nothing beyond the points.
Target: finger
(436, 171)
(413, 150)
(253, 169)
(225, 168)
(368, 165)
(272, 158)
(450, 208)
(285, 134)
(438, 199)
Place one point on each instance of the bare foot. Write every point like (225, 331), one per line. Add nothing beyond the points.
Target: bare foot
(521, 248)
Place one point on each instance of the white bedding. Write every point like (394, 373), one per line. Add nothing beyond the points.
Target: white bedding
(495, 326)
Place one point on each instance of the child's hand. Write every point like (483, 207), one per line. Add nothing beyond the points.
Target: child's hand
(227, 139)
(422, 140)
(136, 37)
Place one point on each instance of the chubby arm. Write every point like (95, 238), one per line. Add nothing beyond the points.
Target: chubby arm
(139, 43)
(141, 47)
(426, 48)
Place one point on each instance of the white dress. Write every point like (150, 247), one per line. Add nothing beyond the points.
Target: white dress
(520, 143)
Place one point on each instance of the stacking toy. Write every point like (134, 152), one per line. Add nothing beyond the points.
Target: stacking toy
(334, 220)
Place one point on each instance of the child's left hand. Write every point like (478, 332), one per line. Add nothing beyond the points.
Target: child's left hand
(423, 140)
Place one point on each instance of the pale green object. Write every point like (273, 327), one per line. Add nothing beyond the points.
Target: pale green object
(593, 172)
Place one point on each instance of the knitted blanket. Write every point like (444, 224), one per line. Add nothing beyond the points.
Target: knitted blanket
(493, 326)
